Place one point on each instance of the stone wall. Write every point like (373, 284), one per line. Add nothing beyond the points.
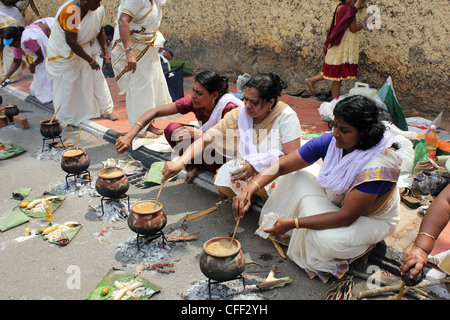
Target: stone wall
(286, 36)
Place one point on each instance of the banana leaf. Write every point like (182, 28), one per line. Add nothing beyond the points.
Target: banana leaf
(122, 276)
(13, 219)
(55, 204)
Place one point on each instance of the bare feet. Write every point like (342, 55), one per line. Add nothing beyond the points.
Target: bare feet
(111, 116)
(148, 135)
(361, 262)
(310, 85)
(190, 175)
(69, 128)
(155, 130)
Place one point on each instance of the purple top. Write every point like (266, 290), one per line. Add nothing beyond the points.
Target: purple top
(316, 149)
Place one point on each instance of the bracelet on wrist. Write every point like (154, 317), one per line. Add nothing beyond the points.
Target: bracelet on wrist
(364, 25)
(129, 49)
(428, 235)
(257, 184)
(93, 60)
(297, 226)
(139, 124)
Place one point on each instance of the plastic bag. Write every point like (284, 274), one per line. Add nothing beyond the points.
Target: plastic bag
(241, 81)
(268, 221)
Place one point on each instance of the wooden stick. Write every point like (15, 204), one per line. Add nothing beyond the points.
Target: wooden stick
(424, 283)
(235, 229)
(54, 115)
(79, 134)
(159, 192)
(202, 213)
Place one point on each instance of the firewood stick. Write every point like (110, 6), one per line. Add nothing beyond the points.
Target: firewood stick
(423, 284)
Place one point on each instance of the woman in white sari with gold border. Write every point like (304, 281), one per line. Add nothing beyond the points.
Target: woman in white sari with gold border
(79, 87)
(136, 61)
(331, 220)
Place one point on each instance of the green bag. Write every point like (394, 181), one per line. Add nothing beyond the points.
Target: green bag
(13, 150)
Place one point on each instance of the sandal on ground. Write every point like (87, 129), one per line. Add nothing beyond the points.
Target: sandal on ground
(413, 199)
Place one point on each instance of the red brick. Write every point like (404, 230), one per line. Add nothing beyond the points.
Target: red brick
(20, 122)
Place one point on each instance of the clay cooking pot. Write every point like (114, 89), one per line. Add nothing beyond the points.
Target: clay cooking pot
(11, 110)
(112, 182)
(224, 266)
(146, 218)
(50, 130)
(74, 160)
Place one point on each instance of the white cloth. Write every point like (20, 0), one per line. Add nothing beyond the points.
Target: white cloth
(13, 12)
(7, 56)
(81, 92)
(42, 86)
(146, 88)
(217, 113)
(286, 128)
(338, 172)
(330, 251)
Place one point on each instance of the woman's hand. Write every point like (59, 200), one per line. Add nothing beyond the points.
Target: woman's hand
(241, 203)
(171, 168)
(247, 171)
(131, 61)
(123, 143)
(94, 64)
(281, 226)
(415, 258)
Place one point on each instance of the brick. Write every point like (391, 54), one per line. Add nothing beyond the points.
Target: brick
(20, 122)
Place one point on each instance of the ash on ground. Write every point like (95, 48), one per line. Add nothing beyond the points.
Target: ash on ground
(151, 251)
(229, 290)
(77, 186)
(113, 210)
(48, 154)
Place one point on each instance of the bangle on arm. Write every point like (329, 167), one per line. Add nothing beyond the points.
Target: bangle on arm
(257, 184)
(297, 226)
(428, 235)
(139, 124)
(93, 60)
(364, 25)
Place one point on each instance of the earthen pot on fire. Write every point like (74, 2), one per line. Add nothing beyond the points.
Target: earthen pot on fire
(222, 260)
(74, 160)
(112, 182)
(50, 130)
(146, 218)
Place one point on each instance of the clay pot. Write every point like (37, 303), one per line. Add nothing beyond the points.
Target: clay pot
(222, 267)
(74, 161)
(147, 222)
(11, 110)
(112, 182)
(50, 130)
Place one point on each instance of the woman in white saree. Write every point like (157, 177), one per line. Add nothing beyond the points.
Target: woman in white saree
(331, 220)
(79, 87)
(136, 61)
(33, 41)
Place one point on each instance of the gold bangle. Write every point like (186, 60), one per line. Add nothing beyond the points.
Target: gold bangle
(92, 62)
(427, 234)
(297, 226)
(259, 187)
(139, 124)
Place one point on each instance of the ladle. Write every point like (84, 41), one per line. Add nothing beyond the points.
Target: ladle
(234, 233)
(78, 140)
(159, 192)
(54, 115)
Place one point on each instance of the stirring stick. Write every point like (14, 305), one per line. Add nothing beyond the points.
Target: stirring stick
(159, 192)
(54, 115)
(79, 134)
(235, 229)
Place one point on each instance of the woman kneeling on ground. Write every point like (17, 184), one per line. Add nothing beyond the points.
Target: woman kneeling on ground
(332, 219)
(210, 101)
(253, 137)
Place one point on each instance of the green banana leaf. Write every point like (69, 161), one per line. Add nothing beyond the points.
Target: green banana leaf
(122, 276)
